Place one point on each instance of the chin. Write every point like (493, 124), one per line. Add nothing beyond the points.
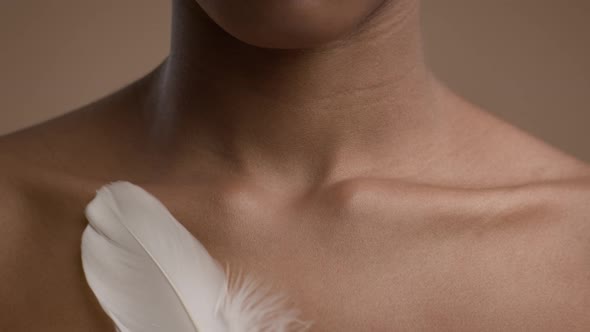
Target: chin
(288, 24)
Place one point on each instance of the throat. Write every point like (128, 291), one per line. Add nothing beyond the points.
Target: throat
(360, 103)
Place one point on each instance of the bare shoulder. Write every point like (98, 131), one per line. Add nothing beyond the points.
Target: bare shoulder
(13, 208)
(567, 201)
(97, 140)
(48, 173)
(41, 217)
(56, 159)
(16, 219)
(16, 208)
(43, 174)
(551, 254)
(489, 150)
(571, 198)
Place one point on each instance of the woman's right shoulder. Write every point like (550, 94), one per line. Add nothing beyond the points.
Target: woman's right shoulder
(36, 191)
(16, 221)
(41, 287)
(41, 221)
(18, 208)
(13, 199)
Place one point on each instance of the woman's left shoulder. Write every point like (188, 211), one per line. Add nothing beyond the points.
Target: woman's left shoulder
(557, 243)
(567, 201)
(566, 206)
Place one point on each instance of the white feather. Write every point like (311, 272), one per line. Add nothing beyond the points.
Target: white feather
(150, 274)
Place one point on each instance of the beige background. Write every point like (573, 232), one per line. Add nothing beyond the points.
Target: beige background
(526, 60)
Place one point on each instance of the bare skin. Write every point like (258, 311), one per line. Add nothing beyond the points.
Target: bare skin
(377, 199)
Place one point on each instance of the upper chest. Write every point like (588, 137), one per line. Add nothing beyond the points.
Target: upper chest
(364, 261)
(349, 264)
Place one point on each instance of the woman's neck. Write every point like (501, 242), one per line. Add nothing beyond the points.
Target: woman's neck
(363, 102)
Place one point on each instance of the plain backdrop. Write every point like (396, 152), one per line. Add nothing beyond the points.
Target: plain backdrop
(528, 61)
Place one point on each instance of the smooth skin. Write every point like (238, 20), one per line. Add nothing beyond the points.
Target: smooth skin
(309, 145)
